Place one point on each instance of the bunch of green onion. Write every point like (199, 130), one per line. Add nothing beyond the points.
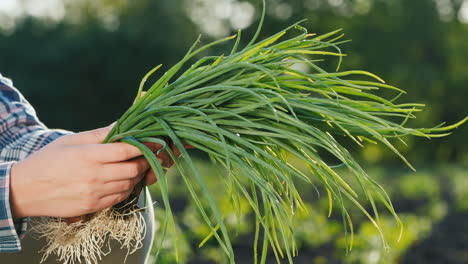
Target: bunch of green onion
(248, 110)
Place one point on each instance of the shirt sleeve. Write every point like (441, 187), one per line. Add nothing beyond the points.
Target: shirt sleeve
(9, 229)
(21, 134)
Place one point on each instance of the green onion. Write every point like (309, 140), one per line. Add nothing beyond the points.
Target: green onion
(248, 109)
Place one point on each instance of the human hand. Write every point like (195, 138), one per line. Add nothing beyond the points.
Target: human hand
(76, 175)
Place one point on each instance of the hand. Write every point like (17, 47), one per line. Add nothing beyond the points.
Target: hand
(76, 175)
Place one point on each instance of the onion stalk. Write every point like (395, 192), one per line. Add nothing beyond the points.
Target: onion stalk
(250, 108)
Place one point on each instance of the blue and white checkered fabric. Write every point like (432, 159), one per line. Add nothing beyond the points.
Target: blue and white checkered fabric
(21, 133)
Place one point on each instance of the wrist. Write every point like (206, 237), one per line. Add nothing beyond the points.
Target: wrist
(19, 192)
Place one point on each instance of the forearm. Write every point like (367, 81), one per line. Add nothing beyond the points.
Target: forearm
(72, 176)
(10, 230)
(21, 134)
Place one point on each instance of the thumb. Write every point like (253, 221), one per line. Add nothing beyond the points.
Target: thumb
(95, 136)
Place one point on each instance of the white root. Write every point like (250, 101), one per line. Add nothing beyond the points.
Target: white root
(87, 242)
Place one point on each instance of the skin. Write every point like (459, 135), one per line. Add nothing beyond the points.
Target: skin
(76, 175)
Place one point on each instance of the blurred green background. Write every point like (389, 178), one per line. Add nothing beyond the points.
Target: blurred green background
(79, 62)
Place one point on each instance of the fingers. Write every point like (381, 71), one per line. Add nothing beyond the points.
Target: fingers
(151, 177)
(154, 147)
(165, 159)
(125, 170)
(95, 136)
(113, 199)
(121, 186)
(177, 151)
(117, 152)
(112, 152)
(188, 146)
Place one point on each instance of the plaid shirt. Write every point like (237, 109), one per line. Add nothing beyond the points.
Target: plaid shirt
(21, 133)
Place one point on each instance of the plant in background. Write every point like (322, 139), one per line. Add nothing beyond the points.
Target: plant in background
(248, 110)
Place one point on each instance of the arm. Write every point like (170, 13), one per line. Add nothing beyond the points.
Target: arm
(9, 229)
(71, 176)
(21, 133)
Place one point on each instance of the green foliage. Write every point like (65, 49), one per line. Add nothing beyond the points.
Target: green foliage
(247, 111)
(81, 74)
(321, 239)
(81, 62)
